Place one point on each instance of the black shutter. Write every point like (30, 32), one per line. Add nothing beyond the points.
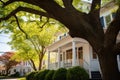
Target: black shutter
(102, 21)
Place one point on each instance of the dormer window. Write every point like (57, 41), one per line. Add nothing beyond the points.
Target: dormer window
(59, 37)
(65, 34)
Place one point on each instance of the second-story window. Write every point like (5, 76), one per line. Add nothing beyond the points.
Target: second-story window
(108, 19)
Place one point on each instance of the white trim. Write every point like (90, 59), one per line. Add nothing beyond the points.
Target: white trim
(73, 54)
(58, 57)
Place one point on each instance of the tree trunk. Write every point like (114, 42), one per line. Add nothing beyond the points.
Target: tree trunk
(40, 61)
(109, 65)
(33, 65)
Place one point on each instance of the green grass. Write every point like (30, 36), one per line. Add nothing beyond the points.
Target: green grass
(21, 78)
(1, 77)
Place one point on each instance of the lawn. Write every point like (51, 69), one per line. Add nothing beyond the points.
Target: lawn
(21, 79)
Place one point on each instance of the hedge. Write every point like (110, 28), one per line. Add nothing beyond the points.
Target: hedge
(77, 73)
(60, 74)
(31, 76)
(41, 75)
(49, 75)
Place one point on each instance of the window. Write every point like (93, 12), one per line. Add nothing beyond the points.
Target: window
(29, 70)
(60, 57)
(108, 19)
(80, 52)
(94, 55)
(14, 70)
(69, 54)
(113, 15)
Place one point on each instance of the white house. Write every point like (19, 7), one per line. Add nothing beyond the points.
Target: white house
(78, 52)
(23, 67)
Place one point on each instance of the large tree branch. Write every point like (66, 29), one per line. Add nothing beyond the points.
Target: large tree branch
(95, 7)
(113, 30)
(68, 3)
(26, 9)
(2, 2)
(94, 14)
(20, 27)
(116, 48)
(27, 36)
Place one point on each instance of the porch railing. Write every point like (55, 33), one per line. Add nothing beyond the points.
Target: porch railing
(65, 64)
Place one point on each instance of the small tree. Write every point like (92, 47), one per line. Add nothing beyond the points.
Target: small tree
(7, 62)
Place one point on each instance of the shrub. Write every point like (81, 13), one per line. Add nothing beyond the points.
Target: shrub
(16, 74)
(49, 75)
(77, 73)
(41, 75)
(31, 76)
(60, 74)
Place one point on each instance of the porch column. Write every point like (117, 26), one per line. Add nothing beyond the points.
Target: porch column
(58, 58)
(48, 61)
(73, 54)
(63, 59)
(77, 57)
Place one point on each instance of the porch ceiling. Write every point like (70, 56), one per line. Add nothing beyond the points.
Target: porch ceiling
(65, 43)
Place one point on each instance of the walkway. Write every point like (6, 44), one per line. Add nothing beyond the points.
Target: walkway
(8, 79)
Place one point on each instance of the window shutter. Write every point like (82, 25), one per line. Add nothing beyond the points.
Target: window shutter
(102, 21)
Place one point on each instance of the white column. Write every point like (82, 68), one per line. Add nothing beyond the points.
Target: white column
(77, 57)
(58, 58)
(73, 54)
(63, 59)
(48, 61)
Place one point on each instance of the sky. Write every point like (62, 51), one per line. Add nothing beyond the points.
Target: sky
(4, 47)
(88, 0)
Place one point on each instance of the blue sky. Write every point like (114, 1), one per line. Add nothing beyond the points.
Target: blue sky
(4, 47)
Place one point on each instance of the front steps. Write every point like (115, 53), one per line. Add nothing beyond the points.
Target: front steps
(95, 75)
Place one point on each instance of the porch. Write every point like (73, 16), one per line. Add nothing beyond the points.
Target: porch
(69, 52)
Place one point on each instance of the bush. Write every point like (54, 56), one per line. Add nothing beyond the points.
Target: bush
(31, 76)
(77, 73)
(60, 74)
(41, 75)
(49, 75)
(17, 74)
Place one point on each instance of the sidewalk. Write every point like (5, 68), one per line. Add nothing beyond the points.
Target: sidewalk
(8, 79)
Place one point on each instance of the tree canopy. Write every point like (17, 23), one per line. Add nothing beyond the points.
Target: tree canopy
(30, 40)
